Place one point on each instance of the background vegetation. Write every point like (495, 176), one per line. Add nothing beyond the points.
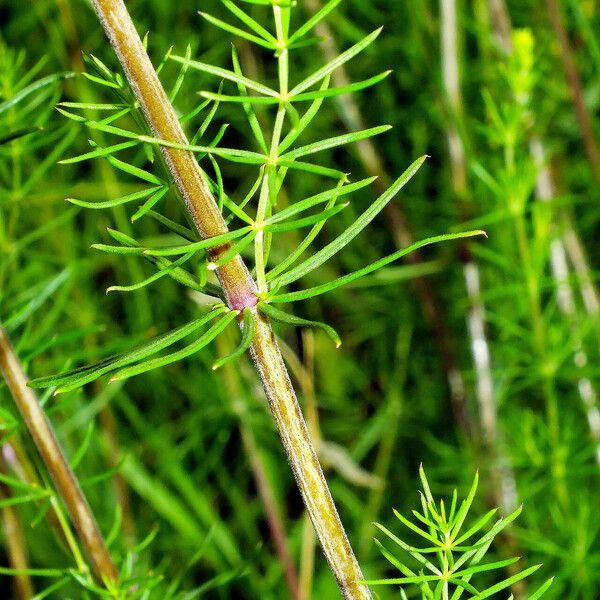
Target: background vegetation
(481, 355)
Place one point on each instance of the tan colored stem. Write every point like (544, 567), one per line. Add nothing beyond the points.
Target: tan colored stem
(66, 484)
(240, 291)
(304, 461)
(15, 542)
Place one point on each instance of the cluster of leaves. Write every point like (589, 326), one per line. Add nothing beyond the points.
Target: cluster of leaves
(456, 555)
(257, 222)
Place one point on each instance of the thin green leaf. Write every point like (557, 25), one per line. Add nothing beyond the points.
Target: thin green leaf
(152, 278)
(310, 168)
(324, 215)
(179, 81)
(305, 120)
(308, 203)
(249, 21)
(237, 31)
(338, 91)
(117, 201)
(318, 16)
(245, 343)
(77, 377)
(211, 242)
(507, 582)
(487, 567)
(341, 281)
(226, 74)
(282, 317)
(98, 152)
(335, 63)
(248, 108)
(334, 142)
(464, 508)
(542, 590)
(149, 204)
(192, 348)
(235, 249)
(343, 239)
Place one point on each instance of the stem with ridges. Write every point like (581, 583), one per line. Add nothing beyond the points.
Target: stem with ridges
(240, 291)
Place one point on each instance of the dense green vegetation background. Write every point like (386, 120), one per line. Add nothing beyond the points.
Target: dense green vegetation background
(182, 443)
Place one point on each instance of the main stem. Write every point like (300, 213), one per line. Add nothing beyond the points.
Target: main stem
(43, 435)
(240, 291)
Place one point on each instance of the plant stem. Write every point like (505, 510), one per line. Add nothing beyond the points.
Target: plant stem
(15, 541)
(67, 485)
(240, 291)
(261, 479)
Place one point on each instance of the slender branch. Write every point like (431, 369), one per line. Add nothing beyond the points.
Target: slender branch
(240, 292)
(43, 435)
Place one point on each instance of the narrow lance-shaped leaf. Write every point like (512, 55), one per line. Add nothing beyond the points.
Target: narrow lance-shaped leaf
(211, 242)
(179, 81)
(235, 249)
(308, 203)
(192, 348)
(335, 63)
(98, 152)
(226, 74)
(316, 18)
(237, 31)
(326, 287)
(249, 21)
(280, 316)
(345, 89)
(117, 201)
(305, 243)
(77, 377)
(343, 239)
(245, 343)
(149, 204)
(305, 120)
(324, 215)
(248, 109)
(154, 277)
(507, 582)
(334, 142)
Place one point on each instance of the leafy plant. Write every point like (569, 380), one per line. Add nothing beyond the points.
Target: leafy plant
(250, 298)
(450, 564)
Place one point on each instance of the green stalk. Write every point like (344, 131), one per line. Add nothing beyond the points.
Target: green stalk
(66, 484)
(240, 291)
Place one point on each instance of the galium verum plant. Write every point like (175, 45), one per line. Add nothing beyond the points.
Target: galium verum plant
(224, 227)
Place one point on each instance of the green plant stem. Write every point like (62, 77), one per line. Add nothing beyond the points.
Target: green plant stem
(67, 485)
(240, 291)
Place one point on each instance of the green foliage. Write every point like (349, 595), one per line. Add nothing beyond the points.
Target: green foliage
(456, 555)
(383, 401)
